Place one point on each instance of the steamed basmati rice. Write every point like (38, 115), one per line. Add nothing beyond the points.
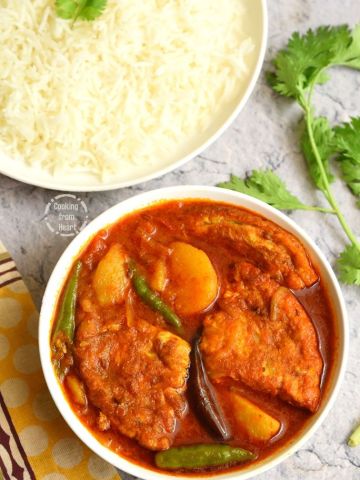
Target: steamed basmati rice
(132, 86)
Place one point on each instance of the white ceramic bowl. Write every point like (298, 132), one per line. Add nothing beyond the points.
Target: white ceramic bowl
(257, 23)
(110, 216)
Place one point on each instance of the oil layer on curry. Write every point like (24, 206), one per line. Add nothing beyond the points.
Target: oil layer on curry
(193, 335)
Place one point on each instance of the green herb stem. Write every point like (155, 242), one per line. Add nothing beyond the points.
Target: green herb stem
(327, 190)
(317, 209)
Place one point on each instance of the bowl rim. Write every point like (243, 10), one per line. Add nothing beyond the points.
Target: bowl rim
(138, 202)
(54, 185)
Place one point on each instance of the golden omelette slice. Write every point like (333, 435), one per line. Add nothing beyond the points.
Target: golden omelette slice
(276, 353)
(135, 375)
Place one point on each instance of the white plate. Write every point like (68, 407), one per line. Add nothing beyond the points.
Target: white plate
(79, 182)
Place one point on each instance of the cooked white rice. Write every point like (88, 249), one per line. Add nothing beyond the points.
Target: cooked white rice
(132, 86)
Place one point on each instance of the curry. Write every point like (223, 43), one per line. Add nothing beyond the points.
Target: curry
(194, 336)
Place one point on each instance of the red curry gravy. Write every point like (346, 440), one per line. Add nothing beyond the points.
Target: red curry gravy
(148, 233)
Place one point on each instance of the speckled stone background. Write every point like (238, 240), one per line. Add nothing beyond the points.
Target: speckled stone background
(264, 135)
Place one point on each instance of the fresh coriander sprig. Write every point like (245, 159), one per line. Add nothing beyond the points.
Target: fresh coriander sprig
(265, 185)
(302, 65)
(299, 67)
(79, 9)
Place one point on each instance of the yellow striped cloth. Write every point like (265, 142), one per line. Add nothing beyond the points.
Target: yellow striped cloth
(35, 442)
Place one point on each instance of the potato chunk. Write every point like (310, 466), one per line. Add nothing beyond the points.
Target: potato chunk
(259, 425)
(193, 279)
(110, 279)
(77, 390)
(158, 279)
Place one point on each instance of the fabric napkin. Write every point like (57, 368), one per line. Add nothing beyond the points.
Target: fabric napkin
(35, 442)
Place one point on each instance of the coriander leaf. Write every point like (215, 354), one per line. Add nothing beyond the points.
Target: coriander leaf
(351, 175)
(347, 139)
(66, 8)
(92, 9)
(80, 9)
(351, 56)
(268, 187)
(289, 79)
(347, 143)
(323, 136)
(301, 63)
(349, 265)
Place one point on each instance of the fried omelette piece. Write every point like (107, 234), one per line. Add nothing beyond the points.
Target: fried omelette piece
(136, 375)
(276, 353)
(272, 248)
(248, 287)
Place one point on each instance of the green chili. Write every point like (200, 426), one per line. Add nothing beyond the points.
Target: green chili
(151, 298)
(65, 324)
(201, 456)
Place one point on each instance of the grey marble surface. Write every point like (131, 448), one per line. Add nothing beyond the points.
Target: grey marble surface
(264, 135)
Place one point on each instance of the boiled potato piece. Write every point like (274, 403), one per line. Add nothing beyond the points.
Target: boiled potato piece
(159, 278)
(110, 279)
(259, 425)
(193, 279)
(77, 390)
